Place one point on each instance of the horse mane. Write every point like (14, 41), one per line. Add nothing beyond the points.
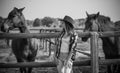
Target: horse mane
(117, 23)
(103, 19)
(106, 23)
(10, 15)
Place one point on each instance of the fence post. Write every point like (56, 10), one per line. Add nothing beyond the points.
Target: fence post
(94, 52)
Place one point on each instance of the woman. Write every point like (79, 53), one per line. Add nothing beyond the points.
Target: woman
(65, 52)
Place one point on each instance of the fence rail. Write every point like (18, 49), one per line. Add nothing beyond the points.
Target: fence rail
(46, 28)
(53, 35)
(29, 35)
(52, 64)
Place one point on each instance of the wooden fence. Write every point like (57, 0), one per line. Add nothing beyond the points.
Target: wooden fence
(94, 62)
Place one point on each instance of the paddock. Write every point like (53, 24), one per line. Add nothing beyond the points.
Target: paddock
(94, 62)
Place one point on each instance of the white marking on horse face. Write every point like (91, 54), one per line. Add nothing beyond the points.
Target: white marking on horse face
(6, 26)
(16, 20)
(94, 26)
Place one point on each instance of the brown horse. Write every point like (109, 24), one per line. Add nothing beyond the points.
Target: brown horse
(100, 23)
(25, 49)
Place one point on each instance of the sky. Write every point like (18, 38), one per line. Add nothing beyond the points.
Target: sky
(59, 8)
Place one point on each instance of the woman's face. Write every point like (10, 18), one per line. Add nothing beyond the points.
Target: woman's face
(63, 24)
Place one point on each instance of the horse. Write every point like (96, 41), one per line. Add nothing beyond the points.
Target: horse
(111, 48)
(24, 49)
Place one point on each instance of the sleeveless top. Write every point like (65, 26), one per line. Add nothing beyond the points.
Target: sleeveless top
(65, 45)
(72, 44)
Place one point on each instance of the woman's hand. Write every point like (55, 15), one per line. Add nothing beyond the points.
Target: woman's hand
(68, 63)
(55, 60)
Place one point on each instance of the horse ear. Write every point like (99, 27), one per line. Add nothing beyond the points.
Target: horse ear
(15, 8)
(87, 14)
(21, 9)
(96, 16)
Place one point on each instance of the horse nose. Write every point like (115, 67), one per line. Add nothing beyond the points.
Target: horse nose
(11, 28)
(6, 26)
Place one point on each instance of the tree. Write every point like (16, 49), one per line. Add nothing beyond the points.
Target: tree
(37, 22)
(47, 21)
(29, 22)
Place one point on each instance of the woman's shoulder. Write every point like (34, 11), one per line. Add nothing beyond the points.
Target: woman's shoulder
(74, 35)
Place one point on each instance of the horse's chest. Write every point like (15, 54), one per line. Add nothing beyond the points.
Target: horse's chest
(22, 47)
(110, 47)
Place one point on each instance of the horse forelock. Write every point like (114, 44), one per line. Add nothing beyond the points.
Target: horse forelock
(103, 19)
(95, 26)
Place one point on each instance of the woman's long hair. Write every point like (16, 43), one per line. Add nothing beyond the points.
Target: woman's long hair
(69, 27)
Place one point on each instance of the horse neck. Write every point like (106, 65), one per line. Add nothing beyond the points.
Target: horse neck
(110, 43)
(24, 28)
(109, 39)
(106, 28)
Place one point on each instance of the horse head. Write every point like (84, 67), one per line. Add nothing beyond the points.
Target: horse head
(90, 24)
(15, 19)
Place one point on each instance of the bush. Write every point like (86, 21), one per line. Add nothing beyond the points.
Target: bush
(37, 22)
